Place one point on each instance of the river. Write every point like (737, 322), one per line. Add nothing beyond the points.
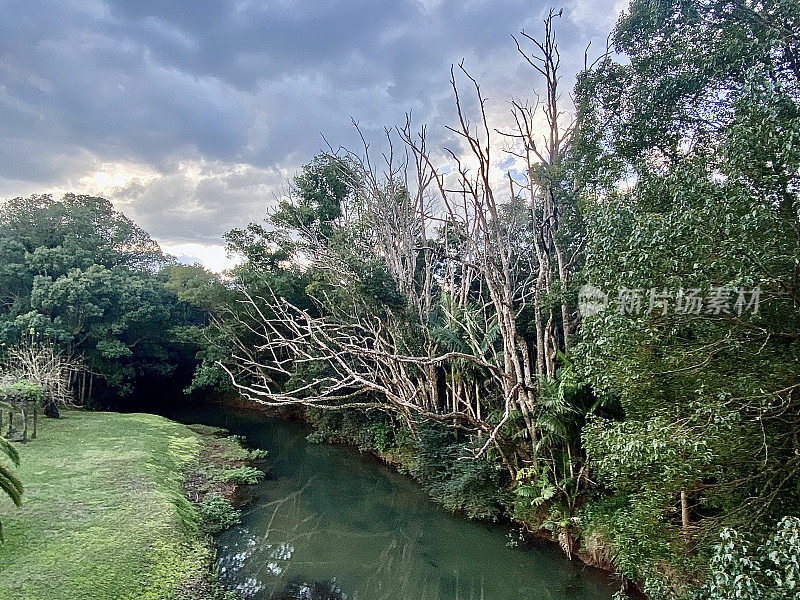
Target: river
(329, 523)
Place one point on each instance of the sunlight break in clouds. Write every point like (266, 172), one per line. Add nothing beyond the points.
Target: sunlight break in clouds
(212, 256)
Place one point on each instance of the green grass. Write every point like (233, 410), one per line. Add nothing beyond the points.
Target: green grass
(103, 514)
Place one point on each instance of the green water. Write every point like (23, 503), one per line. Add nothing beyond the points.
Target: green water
(329, 523)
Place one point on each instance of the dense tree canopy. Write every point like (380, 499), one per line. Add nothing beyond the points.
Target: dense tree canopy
(82, 275)
(695, 223)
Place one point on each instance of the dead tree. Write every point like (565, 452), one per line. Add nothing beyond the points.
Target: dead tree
(472, 208)
(480, 272)
(40, 362)
(542, 153)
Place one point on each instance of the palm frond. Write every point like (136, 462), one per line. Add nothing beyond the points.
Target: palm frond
(10, 484)
(9, 450)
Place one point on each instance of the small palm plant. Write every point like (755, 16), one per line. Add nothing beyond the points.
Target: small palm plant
(8, 481)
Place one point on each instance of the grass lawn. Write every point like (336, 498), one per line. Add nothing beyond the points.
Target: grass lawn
(103, 514)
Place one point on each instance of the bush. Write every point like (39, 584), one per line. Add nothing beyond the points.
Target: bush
(381, 435)
(742, 569)
(243, 475)
(316, 437)
(447, 469)
(217, 514)
(370, 430)
(21, 391)
(256, 454)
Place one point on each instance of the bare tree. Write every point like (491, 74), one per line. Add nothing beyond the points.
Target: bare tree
(454, 242)
(543, 155)
(42, 363)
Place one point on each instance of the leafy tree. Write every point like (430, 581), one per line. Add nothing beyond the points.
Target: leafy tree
(446, 467)
(692, 158)
(765, 571)
(320, 198)
(83, 276)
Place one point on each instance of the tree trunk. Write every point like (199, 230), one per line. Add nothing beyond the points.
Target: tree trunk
(685, 515)
(35, 420)
(25, 422)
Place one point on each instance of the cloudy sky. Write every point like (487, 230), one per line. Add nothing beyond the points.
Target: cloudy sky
(191, 116)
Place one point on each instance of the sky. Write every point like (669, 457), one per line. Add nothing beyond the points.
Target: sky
(191, 117)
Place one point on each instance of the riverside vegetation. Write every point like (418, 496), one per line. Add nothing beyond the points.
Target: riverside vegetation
(432, 314)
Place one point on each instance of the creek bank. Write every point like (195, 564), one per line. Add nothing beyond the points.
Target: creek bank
(217, 486)
(595, 553)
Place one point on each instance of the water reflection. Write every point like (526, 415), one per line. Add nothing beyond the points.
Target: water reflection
(329, 524)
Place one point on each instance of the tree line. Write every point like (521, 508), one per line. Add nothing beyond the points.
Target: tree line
(85, 304)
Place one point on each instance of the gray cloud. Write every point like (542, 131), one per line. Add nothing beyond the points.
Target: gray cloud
(190, 115)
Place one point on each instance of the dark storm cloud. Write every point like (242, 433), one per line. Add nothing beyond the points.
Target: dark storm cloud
(249, 83)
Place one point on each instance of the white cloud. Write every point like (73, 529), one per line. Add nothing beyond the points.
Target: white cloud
(212, 256)
(191, 117)
(596, 16)
(189, 200)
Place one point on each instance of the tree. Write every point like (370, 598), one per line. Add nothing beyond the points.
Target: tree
(692, 167)
(45, 374)
(86, 278)
(765, 571)
(26, 397)
(420, 273)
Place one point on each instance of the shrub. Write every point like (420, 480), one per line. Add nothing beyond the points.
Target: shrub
(447, 469)
(742, 569)
(217, 513)
(256, 454)
(316, 437)
(21, 391)
(243, 475)
(370, 430)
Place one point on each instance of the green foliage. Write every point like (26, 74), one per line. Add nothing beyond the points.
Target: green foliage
(692, 148)
(447, 468)
(382, 435)
(9, 482)
(217, 513)
(533, 496)
(533, 487)
(243, 475)
(322, 190)
(766, 571)
(82, 275)
(371, 431)
(255, 454)
(745, 568)
(21, 392)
